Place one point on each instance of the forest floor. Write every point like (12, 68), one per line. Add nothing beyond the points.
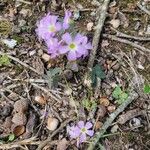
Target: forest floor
(41, 97)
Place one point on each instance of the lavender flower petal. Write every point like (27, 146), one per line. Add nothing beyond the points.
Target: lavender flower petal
(81, 124)
(67, 38)
(82, 138)
(71, 55)
(88, 125)
(90, 132)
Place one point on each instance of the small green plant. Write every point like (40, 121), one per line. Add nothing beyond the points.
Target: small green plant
(97, 72)
(147, 89)
(88, 104)
(5, 27)
(53, 76)
(11, 137)
(4, 60)
(119, 95)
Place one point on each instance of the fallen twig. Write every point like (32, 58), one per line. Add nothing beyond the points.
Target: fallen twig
(129, 115)
(25, 2)
(47, 91)
(96, 38)
(143, 8)
(20, 62)
(30, 141)
(48, 140)
(123, 35)
(112, 37)
(111, 118)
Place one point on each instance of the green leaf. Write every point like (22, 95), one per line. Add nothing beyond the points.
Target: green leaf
(1, 142)
(4, 60)
(97, 71)
(53, 76)
(11, 137)
(89, 105)
(146, 89)
(117, 91)
(122, 97)
(86, 104)
(54, 71)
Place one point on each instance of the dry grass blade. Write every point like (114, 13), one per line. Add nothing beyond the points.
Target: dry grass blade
(114, 38)
(143, 8)
(31, 141)
(20, 62)
(123, 35)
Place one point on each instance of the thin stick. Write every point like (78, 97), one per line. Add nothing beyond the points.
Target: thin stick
(25, 2)
(143, 8)
(123, 35)
(96, 38)
(112, 37)
(19, 143)
(48, 140)
(46, 91)
(110, 120)
(20, 62)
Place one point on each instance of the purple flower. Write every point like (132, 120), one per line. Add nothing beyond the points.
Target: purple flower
(87, 45)
(80, 131)
(67, 19)
(48, 26)
(53, 46)
(75, 47)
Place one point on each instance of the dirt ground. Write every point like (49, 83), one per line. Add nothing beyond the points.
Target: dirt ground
(40, 97)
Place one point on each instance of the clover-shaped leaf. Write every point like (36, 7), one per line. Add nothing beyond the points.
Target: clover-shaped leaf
(147, 89)
(97, 72)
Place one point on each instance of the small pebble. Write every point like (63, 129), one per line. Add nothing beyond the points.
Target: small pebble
(115, 23)
(46, 57)
(52, 123)
(40, 99)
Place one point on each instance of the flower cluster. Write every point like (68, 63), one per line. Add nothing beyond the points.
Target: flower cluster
(79, 131)
(50, 28)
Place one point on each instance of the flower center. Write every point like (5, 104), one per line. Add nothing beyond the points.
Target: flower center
(72, 46)
(83, 130)
(52, 28)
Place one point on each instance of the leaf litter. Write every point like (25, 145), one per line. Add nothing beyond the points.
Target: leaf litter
(111, 71)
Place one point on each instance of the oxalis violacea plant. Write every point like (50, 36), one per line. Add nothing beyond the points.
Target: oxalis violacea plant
(59, 38)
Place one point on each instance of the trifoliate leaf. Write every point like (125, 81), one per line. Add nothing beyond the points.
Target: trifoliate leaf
(117, 91)
(97, 72)
(119, 95)
(147, 89)
(122, 97)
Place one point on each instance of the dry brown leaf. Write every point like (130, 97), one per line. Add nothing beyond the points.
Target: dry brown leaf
(98, 125)
(19, 130)
(104, 101)
(21, 106)
(62, 144)
(19, 119)
(38, 65)
(101, 111)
